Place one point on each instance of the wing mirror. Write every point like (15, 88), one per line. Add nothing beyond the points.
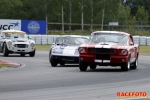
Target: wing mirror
(131, 43)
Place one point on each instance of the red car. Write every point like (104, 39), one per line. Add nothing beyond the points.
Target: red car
(109, 48)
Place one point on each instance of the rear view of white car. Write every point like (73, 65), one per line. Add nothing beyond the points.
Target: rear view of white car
(15, 41)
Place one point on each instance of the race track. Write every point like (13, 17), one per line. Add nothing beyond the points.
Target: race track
(37, 80)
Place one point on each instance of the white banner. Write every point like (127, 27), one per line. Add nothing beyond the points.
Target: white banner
(7, 24)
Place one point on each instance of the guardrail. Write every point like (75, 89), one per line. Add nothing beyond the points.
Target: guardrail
(50, 39)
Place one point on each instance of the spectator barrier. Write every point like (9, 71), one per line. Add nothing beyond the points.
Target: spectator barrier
(50, 39)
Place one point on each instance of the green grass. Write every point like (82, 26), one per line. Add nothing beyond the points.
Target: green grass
(145, 50)
(3, 65)
(43, 47)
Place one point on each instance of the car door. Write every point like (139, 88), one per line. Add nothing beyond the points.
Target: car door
(132, 49)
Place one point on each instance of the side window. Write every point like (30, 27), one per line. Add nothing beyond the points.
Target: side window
(131, 42)
(59, 40)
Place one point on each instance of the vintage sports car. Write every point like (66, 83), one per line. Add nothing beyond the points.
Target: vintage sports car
(15, 41)
(65, 49)
(109, 48)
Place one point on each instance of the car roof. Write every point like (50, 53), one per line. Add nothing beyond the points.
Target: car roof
(13, 31)
(119, 32)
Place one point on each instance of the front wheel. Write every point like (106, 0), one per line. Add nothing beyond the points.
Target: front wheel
(135, 64)
(82, 65)
(52, 61)
(5, 50)
(32, 53)
(126, 66)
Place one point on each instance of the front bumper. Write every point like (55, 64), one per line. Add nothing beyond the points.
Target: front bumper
(70, 59)
(113, 60)
(13, 49)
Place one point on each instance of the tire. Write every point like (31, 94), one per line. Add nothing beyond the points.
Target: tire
(5, 50)
(82, 65)
(32, 54)
(52, 62)
(126, 66)
(22, 55)
(135, 64)
(92, 66)
(62, 63)
(50, 56)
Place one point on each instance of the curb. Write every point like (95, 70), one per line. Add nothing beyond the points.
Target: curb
(13, 64)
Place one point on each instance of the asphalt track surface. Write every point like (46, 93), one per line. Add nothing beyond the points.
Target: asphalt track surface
(37, 80)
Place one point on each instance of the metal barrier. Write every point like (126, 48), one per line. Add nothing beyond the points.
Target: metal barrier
(50, 39)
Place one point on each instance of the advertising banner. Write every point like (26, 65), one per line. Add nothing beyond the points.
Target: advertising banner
(34, 26)
(8, 24)
(28, 26)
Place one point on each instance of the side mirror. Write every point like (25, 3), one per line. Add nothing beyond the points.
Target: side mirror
(131, 43)
(29, 37)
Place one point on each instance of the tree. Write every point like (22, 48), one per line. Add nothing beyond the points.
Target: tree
(134, 4)
(141, 14)
(9, 9)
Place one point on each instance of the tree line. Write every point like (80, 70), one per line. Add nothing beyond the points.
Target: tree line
(76, 11)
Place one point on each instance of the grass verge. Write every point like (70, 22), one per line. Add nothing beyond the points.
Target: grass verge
(145, 50)
(43, 47)
(4, 65)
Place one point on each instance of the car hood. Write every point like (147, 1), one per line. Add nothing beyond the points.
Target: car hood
(105, 45)
(20, 40)
(66, 50)
(16, 39)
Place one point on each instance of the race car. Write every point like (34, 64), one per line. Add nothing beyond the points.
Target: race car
(65, 49)
(15, 41)
(109, 48)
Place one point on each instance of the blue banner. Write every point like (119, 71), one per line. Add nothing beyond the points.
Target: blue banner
(33, 26)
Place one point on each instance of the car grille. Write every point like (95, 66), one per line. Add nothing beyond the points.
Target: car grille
(20, 41)
(21, 45)
(102, 53)
(102, 50)
(68, 58)
(103, 56)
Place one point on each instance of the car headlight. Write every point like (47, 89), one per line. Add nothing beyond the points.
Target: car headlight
(9, 43)
(124, 52)
(32, 44)
(81, 50)
(59, 51)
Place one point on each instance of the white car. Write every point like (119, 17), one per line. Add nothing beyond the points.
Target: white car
(15, 41)
(65, 49)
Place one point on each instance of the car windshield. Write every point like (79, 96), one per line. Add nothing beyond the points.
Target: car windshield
(109, 37)
(71, 41)
(14, 35)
